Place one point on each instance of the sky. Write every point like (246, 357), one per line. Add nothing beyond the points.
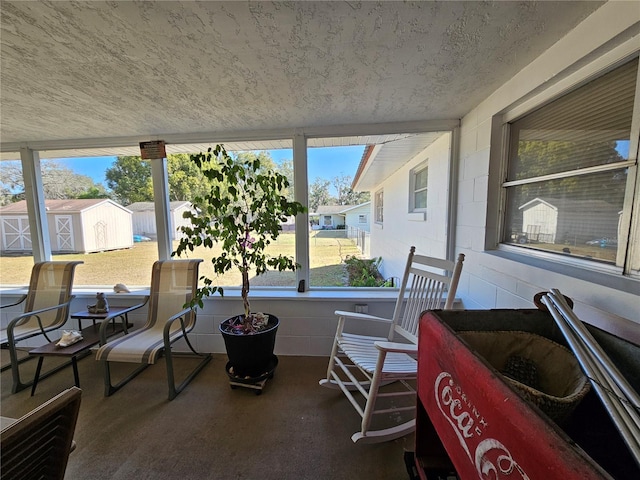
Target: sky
(325, 162)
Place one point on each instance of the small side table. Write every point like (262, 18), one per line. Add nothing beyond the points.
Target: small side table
(92, 335)
(112, 314)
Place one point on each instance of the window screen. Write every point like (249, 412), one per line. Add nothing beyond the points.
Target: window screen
(568, 168)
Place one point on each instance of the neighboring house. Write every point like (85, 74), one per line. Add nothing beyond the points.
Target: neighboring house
(358, 216)
(75, 226)
(330, 216)
(144, 218)
(339, 216)
(552, 220)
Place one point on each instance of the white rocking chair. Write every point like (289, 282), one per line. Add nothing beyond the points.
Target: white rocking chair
(361, 363)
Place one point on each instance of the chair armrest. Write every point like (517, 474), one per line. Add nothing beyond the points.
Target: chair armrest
(35, 313)
(22, 299)
(361, 316)
(136, 306)
(105, 324)
(169, 321)
(397, 347)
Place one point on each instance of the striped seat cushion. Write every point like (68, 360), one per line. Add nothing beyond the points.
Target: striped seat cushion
(141, 346)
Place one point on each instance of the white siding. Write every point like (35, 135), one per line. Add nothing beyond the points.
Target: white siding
(353, 218)
(540, 222)
(401, 229)
(144, 223)
(106, 227)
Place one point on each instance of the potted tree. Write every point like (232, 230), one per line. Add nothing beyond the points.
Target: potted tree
(242, 212)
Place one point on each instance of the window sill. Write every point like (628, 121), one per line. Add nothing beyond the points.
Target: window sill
(416, 216)
(610, 280)
(234, 293)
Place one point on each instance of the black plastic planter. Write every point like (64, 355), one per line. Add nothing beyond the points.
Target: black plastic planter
(251, 356)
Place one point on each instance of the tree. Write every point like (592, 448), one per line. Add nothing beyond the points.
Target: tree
(130, 180)
(186, 181)
(319, 194)
(243, 211)
(285, 168)
(97, 191)
(58, 182)
(536, 158)
(346, 194)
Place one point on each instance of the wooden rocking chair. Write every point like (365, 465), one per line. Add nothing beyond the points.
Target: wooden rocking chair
(173, 284)
(362, 364)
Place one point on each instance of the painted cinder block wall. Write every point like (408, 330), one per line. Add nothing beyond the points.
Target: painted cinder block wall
(493, 281)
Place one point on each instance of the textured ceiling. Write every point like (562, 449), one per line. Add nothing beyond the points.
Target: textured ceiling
(72, 71)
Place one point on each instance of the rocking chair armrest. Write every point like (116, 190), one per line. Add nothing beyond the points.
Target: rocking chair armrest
(35, 313)
(397, 347)
(22, 299)
(361, 316)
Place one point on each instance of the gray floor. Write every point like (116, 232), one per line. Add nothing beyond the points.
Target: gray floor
(294, 430)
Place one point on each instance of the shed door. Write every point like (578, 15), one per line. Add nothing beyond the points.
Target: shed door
(64, 232)
(16, 234)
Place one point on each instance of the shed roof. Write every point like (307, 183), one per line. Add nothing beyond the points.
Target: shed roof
(149, 206)
(60, 206)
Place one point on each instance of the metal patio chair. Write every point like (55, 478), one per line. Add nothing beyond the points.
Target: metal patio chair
(360, 364)
(173, 285)
(46, 308)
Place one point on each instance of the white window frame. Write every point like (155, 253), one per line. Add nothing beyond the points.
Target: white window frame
(413, 175)
(378, 202)
(581, 77)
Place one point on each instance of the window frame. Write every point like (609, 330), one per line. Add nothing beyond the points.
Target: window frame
(379, 206)
(413, 175)
(621, 277)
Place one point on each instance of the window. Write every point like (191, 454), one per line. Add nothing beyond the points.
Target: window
(84, 216)
(362, 218)
(379, 206)
(418, 189)
(571, 175)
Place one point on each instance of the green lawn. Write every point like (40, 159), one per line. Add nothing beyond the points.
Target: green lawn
(132, 266)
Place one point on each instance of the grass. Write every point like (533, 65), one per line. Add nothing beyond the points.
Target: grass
(327, 250)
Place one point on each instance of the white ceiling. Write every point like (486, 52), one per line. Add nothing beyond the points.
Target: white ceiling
(81, 75)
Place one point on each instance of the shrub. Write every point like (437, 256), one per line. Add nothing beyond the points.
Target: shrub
(364, 272)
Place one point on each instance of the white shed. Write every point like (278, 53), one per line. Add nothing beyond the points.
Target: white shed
(553, 220)
(75, 226)
(144, 218)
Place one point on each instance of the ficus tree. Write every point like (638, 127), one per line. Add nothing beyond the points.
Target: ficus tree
(242, 212)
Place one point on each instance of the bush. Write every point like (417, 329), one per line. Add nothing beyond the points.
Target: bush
(364, 272)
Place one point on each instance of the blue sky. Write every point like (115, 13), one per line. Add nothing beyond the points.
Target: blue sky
(323, 162)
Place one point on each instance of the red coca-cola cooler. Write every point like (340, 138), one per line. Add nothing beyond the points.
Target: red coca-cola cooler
(472, 422)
